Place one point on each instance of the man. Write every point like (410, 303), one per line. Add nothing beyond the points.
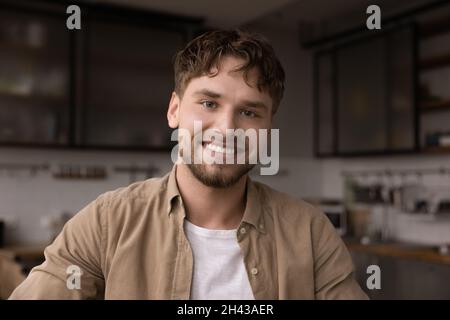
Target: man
(205, 230)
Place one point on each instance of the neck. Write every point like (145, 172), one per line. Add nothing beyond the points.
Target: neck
(208, 207)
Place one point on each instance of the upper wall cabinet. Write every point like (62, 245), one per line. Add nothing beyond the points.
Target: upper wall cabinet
(34, 78)
(365, 97)
(129, 80)
(106, 86)
(434, 79)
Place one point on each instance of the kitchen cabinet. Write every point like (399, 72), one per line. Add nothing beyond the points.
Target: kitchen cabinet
(434, 75)
(106, 86)
(325, 107)
(401, 278)
(34, 78)
(365, 97)
(129, 80)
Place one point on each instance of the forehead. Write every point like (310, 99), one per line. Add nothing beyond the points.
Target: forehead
(228, 81)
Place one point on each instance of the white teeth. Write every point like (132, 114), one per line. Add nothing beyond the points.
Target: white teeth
(216, 148)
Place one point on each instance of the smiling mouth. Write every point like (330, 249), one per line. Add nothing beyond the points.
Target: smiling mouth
(216, 148)
(220, 149)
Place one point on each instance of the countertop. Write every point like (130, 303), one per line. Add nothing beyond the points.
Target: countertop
(35, 252)
(400, 250)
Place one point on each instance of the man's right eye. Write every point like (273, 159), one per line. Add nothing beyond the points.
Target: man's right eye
(208, 104)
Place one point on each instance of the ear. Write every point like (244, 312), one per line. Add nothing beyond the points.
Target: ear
(174, 111)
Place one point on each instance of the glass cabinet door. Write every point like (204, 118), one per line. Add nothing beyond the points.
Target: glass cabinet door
(129, 83)
(402, 104)
(325, 104)
(365, 99)
(362, 97)
(34, 78)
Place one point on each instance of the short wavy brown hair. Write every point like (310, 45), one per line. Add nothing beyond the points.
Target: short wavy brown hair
(203, 53)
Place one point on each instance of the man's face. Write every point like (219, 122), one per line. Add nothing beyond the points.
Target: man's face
(221, 102)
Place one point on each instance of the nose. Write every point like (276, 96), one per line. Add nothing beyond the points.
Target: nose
(226, 121)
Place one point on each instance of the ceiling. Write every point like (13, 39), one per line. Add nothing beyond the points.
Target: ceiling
(335, 11)
(217, 13)
(287, 13)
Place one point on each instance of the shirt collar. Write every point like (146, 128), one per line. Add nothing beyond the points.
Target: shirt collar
(253, 209)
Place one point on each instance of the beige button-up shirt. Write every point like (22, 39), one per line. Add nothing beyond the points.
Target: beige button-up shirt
(130, 244)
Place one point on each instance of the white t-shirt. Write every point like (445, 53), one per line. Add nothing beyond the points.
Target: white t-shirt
(219, 271)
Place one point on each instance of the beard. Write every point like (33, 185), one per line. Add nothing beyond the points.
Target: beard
(219, 175)
(215, 175)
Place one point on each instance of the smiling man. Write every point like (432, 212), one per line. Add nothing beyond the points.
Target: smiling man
(205, 230)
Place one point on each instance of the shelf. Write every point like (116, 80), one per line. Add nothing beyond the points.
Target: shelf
(430, 29)
(32, 98)
(436, 150)
(400, 250)
(132, 63)
(26, 252)
(435, 106)
(124, 107)
(435, 62)
(50, 55)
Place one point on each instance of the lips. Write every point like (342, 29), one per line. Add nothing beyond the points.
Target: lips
(217, 148)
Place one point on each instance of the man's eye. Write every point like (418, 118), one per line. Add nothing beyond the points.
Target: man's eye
(209, 104)
(248, 113)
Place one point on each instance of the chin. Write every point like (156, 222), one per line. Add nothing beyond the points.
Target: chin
(219, 175)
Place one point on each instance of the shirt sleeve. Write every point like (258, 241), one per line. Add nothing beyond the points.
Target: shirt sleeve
(73, 262)
(333, 265)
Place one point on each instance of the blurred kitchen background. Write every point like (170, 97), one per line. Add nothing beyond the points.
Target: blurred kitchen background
(364, 124)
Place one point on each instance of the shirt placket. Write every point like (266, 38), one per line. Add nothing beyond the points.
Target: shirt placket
(184, 263)
(254, 270)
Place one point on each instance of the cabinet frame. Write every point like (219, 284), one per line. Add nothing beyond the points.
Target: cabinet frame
(333, 50)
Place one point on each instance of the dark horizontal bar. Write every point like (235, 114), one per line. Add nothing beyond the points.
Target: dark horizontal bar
(386, 21)
(388, 172)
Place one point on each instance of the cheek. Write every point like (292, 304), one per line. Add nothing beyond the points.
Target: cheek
(256, 124)
(187, 116)
(191, 114)
(188, 119)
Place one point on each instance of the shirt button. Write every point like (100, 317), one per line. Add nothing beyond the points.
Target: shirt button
(254, 271)
(261, 226)
(242, 230)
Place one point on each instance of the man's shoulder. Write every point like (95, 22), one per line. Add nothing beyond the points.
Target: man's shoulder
(296, 217)
(285, 206)
(137, 192)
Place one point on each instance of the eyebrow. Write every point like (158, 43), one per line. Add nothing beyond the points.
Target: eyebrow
(254, 104)
(216, 95)
(208, 93)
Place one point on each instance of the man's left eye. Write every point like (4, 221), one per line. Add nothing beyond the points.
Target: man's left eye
(208, 104)
(248, 113)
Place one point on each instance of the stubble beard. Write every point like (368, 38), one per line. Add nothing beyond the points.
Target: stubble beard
(218, 175)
